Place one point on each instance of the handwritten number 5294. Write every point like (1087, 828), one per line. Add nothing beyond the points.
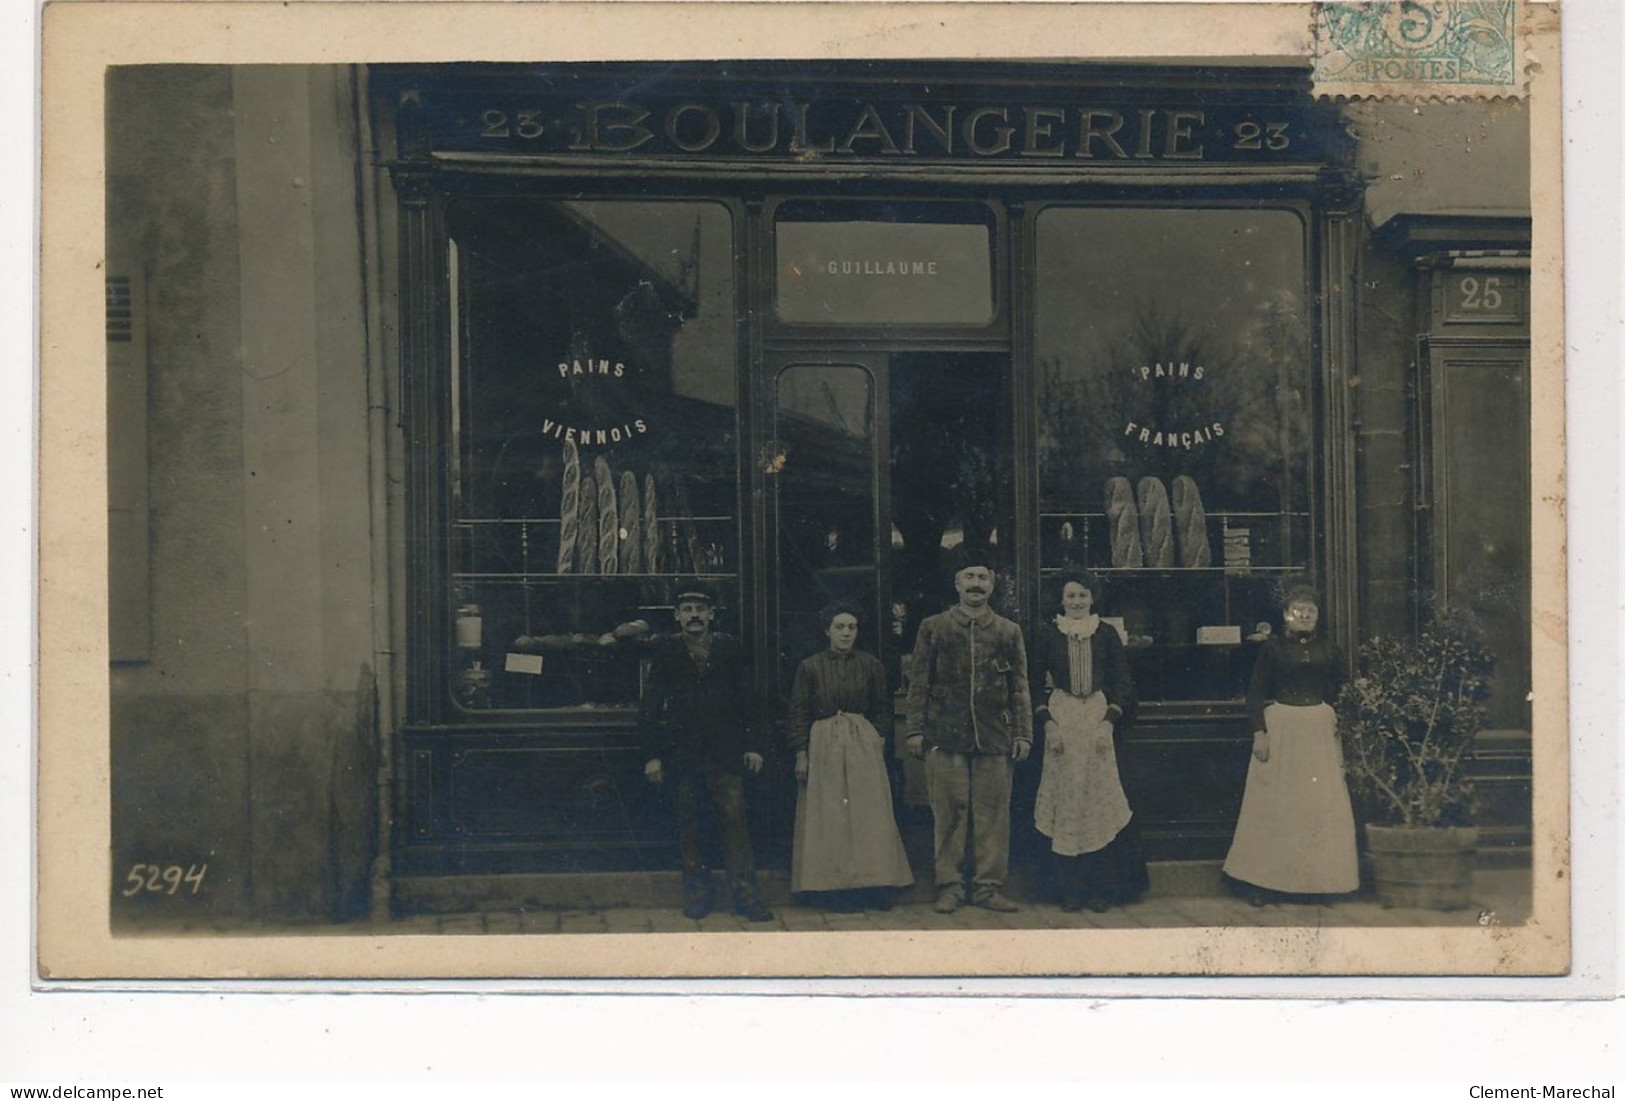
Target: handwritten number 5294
(163, 878)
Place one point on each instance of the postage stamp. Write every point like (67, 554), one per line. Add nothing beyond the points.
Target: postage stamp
(1433, 48)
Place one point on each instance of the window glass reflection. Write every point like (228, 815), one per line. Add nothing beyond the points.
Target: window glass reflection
(824, 483)
(1175, 427)
(594, 434)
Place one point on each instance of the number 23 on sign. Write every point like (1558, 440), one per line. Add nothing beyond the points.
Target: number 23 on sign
(163, 878)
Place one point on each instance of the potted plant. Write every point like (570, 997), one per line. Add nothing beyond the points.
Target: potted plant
(1409, 720)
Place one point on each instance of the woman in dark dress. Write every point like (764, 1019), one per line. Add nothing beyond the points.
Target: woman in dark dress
(847, 850)
(1295, 834)
(1085, 701)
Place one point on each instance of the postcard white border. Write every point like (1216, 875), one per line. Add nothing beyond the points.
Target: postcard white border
(1219, 37)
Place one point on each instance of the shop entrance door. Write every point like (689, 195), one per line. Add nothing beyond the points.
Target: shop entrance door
(879, 465)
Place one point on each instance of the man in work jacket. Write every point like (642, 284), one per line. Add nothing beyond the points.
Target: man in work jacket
(695, 722)
(970, 717)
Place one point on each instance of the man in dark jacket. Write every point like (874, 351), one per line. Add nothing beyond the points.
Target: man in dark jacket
(696, 723)
(969, 717)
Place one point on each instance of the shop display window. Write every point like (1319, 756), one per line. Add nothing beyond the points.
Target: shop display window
(1176, 430)
(592, 458)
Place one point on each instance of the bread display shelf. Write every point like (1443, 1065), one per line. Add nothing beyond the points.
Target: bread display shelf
(845, 571)
(1168, 542)
(535, 549)
(554, 520)
(535, 577)
(1150, 571)
(1084, 514)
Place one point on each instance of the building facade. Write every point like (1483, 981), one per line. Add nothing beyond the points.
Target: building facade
(428, 388)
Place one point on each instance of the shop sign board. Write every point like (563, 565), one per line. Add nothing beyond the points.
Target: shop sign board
(669, 118)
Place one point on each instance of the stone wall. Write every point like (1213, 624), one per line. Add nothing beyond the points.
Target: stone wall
(247, 741)
(1417, 159)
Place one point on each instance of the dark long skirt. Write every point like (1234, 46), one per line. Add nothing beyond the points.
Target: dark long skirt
(1114, 875)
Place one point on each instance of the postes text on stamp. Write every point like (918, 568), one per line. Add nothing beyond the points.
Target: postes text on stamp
(1418, 48)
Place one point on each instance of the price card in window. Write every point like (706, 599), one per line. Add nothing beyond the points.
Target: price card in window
(524, 663)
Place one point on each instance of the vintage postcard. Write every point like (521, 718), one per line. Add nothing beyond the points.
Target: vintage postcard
(641, 490)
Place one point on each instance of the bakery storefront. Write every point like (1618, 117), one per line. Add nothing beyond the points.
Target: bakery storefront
(428, 387)
(799, 338)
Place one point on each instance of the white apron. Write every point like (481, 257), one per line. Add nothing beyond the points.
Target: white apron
(1081, 805)
(846, 835)
(1296, 829)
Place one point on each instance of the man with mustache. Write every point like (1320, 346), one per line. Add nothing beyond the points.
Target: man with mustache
(969, 718)
(696, 721)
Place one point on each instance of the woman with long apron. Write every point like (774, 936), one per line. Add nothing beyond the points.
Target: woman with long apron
(847, 851)
(1295, 835)
(1086, 700)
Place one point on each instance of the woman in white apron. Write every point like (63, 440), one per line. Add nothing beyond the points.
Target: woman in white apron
(1085, 701)
(1295, 834)
(847, 851)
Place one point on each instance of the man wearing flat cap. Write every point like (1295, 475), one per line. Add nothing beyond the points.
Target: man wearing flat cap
(970, 718)
(696, 722)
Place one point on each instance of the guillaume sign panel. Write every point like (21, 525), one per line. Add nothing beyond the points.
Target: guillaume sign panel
(878, 273)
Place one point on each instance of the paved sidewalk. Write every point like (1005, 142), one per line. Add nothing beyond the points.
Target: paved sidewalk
(1501, 897)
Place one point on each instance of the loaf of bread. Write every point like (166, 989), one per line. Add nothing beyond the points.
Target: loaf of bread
(697, 560)
(609, 518)
(631, 524)
(1156, 525)
(651, 526)
(1124, 520)
(1190, 523)
(587, 544)
(681, 556)
(570, 508)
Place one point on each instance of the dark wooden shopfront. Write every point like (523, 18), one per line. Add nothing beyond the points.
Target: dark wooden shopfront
(820, 330)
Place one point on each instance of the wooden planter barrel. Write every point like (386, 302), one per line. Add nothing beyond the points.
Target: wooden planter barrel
(1430, 868)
